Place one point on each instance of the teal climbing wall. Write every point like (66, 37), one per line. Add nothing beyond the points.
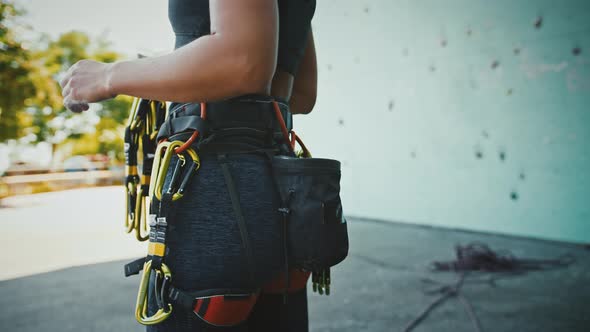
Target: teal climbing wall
(467, 114)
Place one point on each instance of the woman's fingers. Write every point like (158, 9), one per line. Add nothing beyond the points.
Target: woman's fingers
(65, 79)
(70, 100)
(84, 82)
(75, 106)
(65, 89)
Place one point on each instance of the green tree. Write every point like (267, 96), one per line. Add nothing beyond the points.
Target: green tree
(30, 96)
(57, 57)
(15, 66)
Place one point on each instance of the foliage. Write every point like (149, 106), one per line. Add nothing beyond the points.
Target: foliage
(15, 86)
(30, 96)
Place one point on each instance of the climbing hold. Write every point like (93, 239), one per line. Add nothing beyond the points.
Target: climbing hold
(509, 92)
(502, 155)
(538, 22)
(478, 154)
(390, 105)
(513, 195)
(443, 43)
(495, 64)
(576, 51)
(516, 51)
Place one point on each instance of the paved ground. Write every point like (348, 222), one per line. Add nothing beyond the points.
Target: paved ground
(378, 288)
(50, 231)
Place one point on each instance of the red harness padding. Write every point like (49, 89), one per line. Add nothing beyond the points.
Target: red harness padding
(231, 310)
(297, 281)
(218, 307)
(225, 310)
(230, 307)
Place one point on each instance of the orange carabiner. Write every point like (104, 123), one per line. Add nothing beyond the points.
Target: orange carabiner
(194, 136)
(305, 151)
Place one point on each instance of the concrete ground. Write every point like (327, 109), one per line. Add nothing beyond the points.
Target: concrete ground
(378, 287)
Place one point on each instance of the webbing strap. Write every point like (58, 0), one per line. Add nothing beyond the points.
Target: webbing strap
(183, 124)
(181, 298)
(235, 200)
(134, 267)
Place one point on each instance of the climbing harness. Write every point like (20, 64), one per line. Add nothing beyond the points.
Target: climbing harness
(190, 129)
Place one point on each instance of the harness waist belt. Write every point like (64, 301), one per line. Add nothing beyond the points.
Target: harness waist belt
(251, 111)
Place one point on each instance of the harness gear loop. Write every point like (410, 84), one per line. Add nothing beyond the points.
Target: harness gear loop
(145, 117)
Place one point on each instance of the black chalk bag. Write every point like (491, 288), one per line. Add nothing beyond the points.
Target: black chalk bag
(316, 231)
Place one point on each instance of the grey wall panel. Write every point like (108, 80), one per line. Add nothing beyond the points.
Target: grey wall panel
(469, 114)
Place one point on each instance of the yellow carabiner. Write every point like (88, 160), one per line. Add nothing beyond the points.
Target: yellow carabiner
(141, 303)
(134, 120)
(140, 216)
(161, 165)
(196, 164)
(133, 110)
(130, 216)
(151, 116)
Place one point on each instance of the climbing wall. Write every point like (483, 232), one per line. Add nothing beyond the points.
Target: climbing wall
(467, 114)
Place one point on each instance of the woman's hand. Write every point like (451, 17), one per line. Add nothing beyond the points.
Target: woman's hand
(87, 81)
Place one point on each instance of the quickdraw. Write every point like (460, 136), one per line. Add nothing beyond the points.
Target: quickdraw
(145, 118)
(187, 165)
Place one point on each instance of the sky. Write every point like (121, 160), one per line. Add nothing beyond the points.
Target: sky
(132, 25)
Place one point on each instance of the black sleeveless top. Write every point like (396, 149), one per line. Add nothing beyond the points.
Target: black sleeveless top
(190, 20)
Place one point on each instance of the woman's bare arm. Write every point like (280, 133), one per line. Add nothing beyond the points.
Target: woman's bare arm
(238, 57)
(305, 89)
